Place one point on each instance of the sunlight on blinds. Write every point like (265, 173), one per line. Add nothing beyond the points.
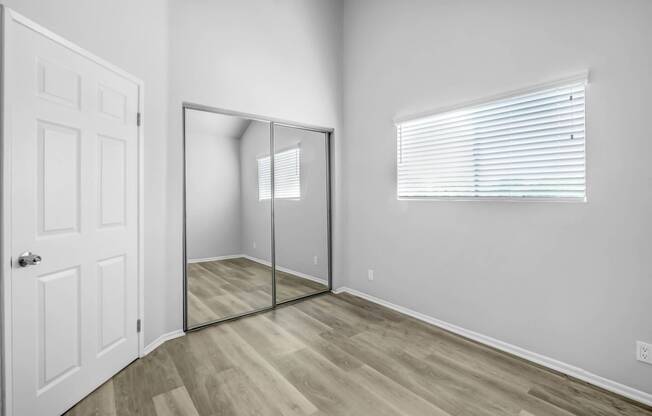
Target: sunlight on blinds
(525, 146)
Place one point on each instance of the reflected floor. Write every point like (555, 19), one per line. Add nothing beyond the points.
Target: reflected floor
(222, 288)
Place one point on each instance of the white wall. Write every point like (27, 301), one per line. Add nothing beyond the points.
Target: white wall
(571, 281)
(132, 35)
(275, 58)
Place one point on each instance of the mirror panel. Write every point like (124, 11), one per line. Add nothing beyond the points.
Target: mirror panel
(228, 228)
(300, 212)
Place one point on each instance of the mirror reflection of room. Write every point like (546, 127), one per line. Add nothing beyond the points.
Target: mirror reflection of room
(229, 218)
(228, 240)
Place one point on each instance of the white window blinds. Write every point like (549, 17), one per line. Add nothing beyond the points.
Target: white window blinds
(528, 145)
(287, 179)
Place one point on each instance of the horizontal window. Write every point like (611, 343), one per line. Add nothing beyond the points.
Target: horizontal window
(528, 145)
(287, 178)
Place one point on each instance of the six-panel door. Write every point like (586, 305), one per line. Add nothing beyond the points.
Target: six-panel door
(74, 198)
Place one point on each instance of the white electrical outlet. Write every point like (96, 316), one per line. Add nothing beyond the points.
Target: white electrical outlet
(644, 352)
(315, 260)
(254, 244)
(370, 274)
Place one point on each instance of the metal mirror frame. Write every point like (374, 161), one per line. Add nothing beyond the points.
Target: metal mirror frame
(328, 132)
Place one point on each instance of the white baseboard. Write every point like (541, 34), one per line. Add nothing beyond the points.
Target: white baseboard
(571, 370)
(160, 340)
(230, 256)
(286, 270)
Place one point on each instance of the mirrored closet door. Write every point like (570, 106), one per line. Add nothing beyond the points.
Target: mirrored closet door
(228, 232)
(256, 226)
(300, 212)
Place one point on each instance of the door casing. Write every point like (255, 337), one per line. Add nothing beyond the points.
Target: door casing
(9, 17)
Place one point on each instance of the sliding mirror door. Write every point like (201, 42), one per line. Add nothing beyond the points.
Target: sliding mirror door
(228, 236)
(301, 214)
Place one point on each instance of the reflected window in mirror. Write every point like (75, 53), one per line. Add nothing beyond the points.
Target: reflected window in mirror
(287, 178)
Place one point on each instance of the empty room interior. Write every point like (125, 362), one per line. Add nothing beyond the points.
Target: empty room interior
(326, 207)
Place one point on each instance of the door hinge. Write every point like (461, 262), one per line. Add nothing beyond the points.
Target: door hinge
(138, 119)
(138, 325)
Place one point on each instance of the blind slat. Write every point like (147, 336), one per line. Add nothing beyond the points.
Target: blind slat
(528, 108)
(569, 120)
(498, 105)
(532, 134)
(498, 150)
(549, 112)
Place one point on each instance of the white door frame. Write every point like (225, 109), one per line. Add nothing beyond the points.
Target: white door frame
(9, 17)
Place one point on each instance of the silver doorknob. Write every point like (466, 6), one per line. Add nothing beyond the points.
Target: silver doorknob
(29, 259)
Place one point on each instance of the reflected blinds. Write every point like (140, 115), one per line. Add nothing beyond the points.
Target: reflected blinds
(287, 180)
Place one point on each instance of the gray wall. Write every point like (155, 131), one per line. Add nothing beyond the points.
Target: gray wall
(300, 225)
(571, 281)
(212, 195)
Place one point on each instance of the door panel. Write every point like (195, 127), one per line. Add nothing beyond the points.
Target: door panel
(300, 212)
(112, 292)
(112, 173)
(74, 201)
(59, 84)
(58, 178)
(112, 103)
(59, 337)
(228, 217)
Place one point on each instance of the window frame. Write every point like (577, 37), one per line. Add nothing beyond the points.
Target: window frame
(582, 77)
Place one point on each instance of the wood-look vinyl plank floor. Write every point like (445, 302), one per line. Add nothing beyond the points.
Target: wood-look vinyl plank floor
(175, 402)
(224, 288)
(340, 355)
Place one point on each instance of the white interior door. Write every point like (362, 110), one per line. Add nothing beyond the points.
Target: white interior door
(73, 137)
